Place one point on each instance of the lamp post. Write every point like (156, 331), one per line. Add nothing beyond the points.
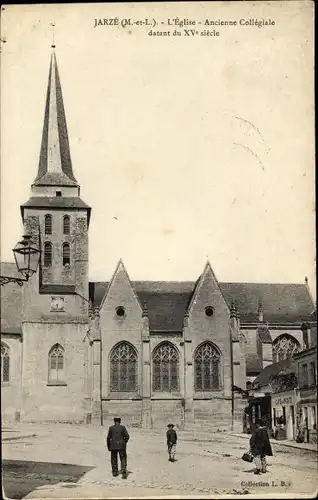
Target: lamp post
(27, 255)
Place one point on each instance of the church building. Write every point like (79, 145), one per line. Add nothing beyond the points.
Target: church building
(151, 352)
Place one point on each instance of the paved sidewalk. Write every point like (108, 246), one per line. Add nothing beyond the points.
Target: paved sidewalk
(291, 444)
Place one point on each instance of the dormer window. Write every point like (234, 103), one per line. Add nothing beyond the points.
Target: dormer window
(58, 193)
(48, 224)
(66, 224)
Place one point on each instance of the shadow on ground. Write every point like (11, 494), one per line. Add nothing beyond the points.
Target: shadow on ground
(20, 477)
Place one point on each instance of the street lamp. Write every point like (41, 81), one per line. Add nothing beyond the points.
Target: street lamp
(27, 255)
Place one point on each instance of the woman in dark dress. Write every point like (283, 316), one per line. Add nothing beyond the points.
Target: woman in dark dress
(260, 447)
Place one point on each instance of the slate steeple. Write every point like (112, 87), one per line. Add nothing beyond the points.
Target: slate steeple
(55, 165)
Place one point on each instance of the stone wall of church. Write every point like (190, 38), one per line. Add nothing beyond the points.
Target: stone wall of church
(117, 328)
(43, 400)
(11, 390)
(129, 411)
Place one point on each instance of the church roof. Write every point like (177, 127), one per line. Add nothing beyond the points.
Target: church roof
(55, 202)
(58, 202)
(55, 165)
(168, 301)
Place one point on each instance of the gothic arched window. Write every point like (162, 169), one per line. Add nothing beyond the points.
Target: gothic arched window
(5, 363)
(66, 254)
(284, 346)
(66, 224)
(47, 254)
(56, 364)
(165, 368)
(48, 224)
(207, 368)
(123, 368)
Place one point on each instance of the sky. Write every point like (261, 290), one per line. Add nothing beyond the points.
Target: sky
(187, 149)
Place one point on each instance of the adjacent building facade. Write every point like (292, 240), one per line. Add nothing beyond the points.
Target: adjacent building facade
(152, 352)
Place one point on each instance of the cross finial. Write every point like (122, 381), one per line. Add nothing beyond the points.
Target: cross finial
(53, 35)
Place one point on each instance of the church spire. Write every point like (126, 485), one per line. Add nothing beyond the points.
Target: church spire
(55, 165)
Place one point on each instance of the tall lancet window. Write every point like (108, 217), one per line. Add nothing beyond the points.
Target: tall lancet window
(48, 224)
(66, 224)
(66, 254)
(165, 368)
(207, 368)
(47, 254)
(56, 364)
(123, 368)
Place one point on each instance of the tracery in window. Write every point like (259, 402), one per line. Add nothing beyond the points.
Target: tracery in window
(123, 368)
(207, 368)
(5, 363)
(165, 368)
(284, 346)
(56, 364)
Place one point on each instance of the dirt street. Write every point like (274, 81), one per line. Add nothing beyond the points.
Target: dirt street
(60, 461)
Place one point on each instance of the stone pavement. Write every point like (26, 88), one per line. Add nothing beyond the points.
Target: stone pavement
(209, 464)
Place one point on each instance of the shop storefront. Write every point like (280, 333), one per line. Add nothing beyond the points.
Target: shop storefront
(307, 401)
(259, 408)
(284, 409)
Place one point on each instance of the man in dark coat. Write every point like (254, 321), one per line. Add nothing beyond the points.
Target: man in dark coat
(171, 442)
(260, 447)
(117, 439)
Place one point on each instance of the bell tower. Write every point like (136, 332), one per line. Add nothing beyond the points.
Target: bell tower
(63, 218)
(55, 215)
(55, 299)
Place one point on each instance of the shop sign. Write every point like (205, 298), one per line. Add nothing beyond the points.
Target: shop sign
(283, 401)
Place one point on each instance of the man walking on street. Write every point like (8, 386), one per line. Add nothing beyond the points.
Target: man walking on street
(117, 439)
(171, 442)
(260, 446)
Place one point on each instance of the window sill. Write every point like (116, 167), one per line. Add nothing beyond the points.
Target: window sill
(56, 383)
(5, 384)
(208, 395)
(132, 396)
(166, 395)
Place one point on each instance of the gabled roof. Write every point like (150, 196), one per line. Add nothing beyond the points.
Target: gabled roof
(11, 301)
(168, 301)
(284, 366)
(55, 165)
(120, 268)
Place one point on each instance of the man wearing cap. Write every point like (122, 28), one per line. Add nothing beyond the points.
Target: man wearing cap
(171, 442)
(117, 439)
